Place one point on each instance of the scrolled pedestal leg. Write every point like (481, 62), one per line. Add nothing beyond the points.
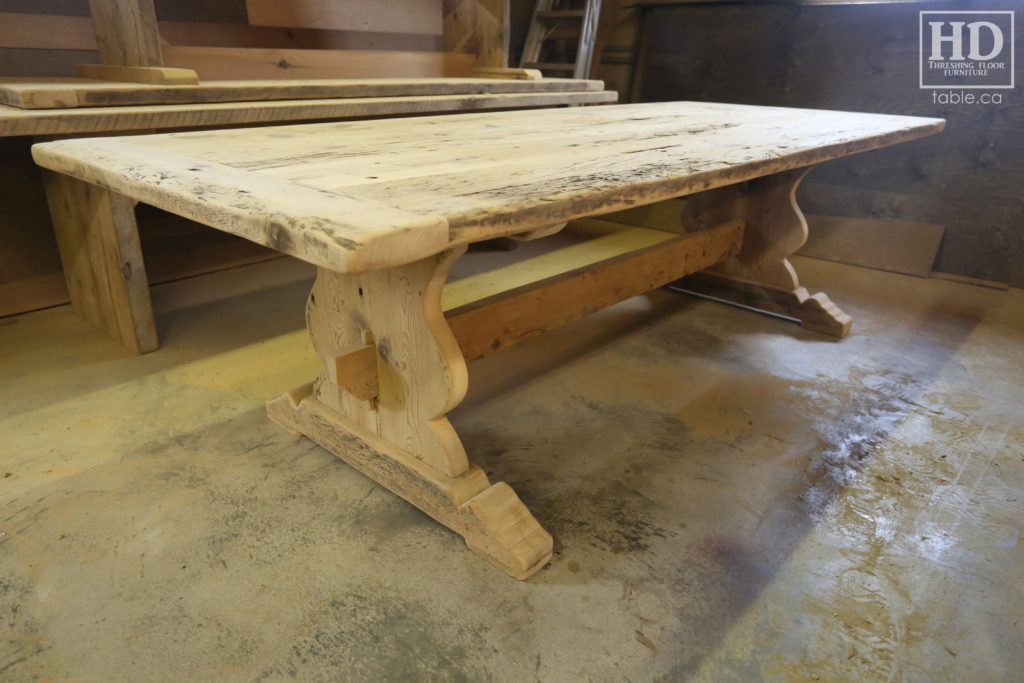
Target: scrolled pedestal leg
(387, 417)
(761, 276)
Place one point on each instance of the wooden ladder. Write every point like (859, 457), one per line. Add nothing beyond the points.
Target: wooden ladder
(550, 17)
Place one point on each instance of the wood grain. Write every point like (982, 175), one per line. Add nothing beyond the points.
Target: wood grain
(413, 176)
(344, 232)
(421, 374)
(126, 32)
(394, 16)
(148, 75)
(519, 311)
(50, 32)
(58, 32)
(507, 73)
(480, 27)
(895, 246)
(49, 93)
(490, 517)
(500, 308)
(243, 63)
(15, 121)
(103, 267)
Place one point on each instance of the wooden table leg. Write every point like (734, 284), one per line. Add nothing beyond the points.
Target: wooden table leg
(396, 406)
(761, 275)
(98, 241)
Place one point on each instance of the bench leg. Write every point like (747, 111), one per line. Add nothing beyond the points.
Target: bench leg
(98, 241)
(390, 422)
(761, 275)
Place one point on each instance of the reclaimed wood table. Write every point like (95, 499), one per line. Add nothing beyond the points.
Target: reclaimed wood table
(384, 208)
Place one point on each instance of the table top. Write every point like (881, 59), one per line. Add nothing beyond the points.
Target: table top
(355, 196)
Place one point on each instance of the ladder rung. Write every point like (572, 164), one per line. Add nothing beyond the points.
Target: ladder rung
(559, 15)
(550, 66)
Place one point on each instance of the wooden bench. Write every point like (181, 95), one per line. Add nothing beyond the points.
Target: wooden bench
(385, 207)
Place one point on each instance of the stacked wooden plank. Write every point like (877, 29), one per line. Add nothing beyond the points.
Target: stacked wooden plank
(256, 39)
(257, 63)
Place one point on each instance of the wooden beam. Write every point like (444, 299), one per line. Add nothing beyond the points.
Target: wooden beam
(502, 320)
(393, 16)
(151, 75)
(494, 522)
(126, 32)
(64, 93)
(498, 309)
(480, 27)
(618, 241)
(46, 32)
(15, 121)
(240, 63)
(356, 373)
(102, 259)
(503, 73)
(59, 32)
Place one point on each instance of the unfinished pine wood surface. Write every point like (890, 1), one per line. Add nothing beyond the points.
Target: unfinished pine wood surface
(480, 27)
(241, 63)
(46, 32)
(503, 72)
(495, 310)
(760, 275)
(533, 298)
(897, 246)
(392, 319)
(102, 259)
(126, 32)
(421, 374)
(50, 93)
(469, 177)
(59, 32)
(103, 120)
(147, 75)
(490, 517)
(394, 16)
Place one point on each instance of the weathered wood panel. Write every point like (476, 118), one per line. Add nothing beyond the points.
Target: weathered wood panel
(14, 121)
(64, 93)
(861, 58)
(395, 16)
(126, 33)
(221, 11)
(59, 33)
(358, 196)
(62, 32)
(237, 63)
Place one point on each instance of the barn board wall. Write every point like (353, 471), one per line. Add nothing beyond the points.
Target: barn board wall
(225, 11)
(861, 58)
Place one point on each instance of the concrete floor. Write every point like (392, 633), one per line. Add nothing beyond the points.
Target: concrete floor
(732, 498)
